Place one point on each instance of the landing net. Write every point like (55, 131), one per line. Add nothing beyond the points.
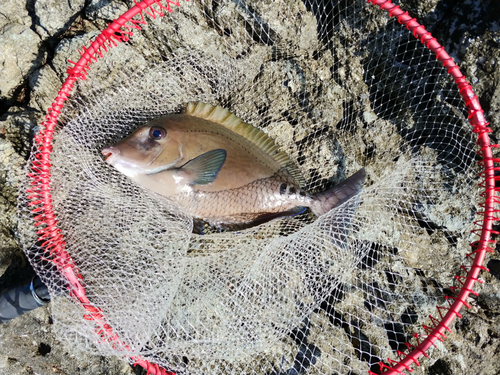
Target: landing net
(339, 86)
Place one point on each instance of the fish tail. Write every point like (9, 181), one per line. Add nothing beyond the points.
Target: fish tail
(328, 199)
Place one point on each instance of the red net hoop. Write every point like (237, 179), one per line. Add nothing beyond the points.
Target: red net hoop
(52, 238)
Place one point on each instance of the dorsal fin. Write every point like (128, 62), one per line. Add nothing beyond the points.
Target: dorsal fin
(222, 116)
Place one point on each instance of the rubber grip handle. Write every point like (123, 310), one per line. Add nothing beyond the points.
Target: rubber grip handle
(17, 301)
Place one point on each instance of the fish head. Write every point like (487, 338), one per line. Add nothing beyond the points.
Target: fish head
(148, 150)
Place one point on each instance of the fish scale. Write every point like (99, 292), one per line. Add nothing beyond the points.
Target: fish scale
(245, 204)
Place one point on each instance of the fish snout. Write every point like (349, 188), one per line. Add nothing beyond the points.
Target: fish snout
(110, 153)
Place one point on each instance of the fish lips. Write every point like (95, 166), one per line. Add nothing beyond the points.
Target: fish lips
(110, 153)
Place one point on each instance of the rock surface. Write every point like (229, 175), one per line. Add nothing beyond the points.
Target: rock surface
(54, 17)
(14, 11)
(20, 56)
(37, 38)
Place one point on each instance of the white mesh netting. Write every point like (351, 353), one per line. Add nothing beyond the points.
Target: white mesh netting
(339, 86)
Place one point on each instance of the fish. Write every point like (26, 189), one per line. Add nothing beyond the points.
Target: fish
(217, 168)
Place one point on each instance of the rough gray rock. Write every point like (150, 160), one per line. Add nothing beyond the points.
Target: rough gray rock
(10, 164)
(14, 11)
(20, 55)
(37, 351)
(16, 130)
(104, 11)
(53, 16)
(44, 84)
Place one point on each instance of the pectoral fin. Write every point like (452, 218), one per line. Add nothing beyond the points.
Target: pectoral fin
(204, 168)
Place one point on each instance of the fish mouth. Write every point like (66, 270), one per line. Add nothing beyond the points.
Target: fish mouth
(108, 153)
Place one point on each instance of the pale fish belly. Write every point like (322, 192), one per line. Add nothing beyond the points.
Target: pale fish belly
(260, 200)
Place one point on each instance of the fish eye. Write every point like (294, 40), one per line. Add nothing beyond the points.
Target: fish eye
(157, 133)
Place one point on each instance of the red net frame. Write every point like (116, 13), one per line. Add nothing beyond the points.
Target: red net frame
(52, 239)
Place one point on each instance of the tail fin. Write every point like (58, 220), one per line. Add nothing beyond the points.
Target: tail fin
(328, 199)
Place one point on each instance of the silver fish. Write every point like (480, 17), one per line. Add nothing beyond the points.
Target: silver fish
(220, 169)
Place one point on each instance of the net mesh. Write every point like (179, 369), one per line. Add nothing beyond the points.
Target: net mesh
(338, 86)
